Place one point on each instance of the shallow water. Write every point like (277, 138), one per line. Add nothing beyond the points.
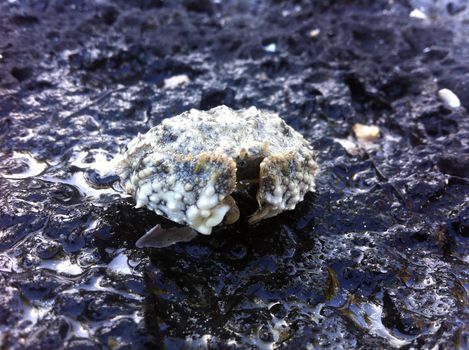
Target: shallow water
(376, 258)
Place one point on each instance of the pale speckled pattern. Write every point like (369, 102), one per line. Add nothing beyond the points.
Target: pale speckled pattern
(185, 168)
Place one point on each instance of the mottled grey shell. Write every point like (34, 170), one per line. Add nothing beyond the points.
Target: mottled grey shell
(187, 167)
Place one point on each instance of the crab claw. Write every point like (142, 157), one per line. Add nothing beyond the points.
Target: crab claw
(233, 213)
(284, 179)
(159, 237)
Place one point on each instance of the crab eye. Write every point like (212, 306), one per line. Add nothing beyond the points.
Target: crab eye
(242, 164)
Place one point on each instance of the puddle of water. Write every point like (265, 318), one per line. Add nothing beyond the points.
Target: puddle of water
(78, 181)
(78, 329)
(94, 285)
(34, 167)
(33, 314)
(120, 265)
(62, 266)
(369, 317)
(102, 162)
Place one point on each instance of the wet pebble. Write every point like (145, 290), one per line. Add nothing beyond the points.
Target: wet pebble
(462, 222)
(89, 258)
(265, 334)
(278, 310)
(48, 250)
(456, 165)
(237, 252)
(99, 181)
(366, 133)
(455, 7)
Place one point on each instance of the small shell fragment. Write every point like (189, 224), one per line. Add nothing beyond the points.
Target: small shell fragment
(350, 146)
(314, 33)
(449, 98)
(192, 167)
(366, 133)
(176, 80)
(416, 13)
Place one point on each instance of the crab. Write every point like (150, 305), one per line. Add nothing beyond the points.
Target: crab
(208, 168)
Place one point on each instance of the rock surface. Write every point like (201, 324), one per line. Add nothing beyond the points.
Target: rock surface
(375, 258)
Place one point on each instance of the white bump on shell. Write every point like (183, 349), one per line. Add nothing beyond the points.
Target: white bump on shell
(217, 215)
(146, 189)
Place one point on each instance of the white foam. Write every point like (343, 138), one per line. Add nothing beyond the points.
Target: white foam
(34, 167)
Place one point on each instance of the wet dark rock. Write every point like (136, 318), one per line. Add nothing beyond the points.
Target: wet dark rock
(52, 336)
(376, 257)
(104, 232)
(392, 318)
(462, 223)
(265, 334)
(278, 310)
(203, 6)
(82, 344)
(216, 97)
(22, 73)
(420, 37)
(65, 194)
(48, 250)
(109, 15)
(438, 124)
(455, 7)
(98, 181)
(24, 20)
(454, 164)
